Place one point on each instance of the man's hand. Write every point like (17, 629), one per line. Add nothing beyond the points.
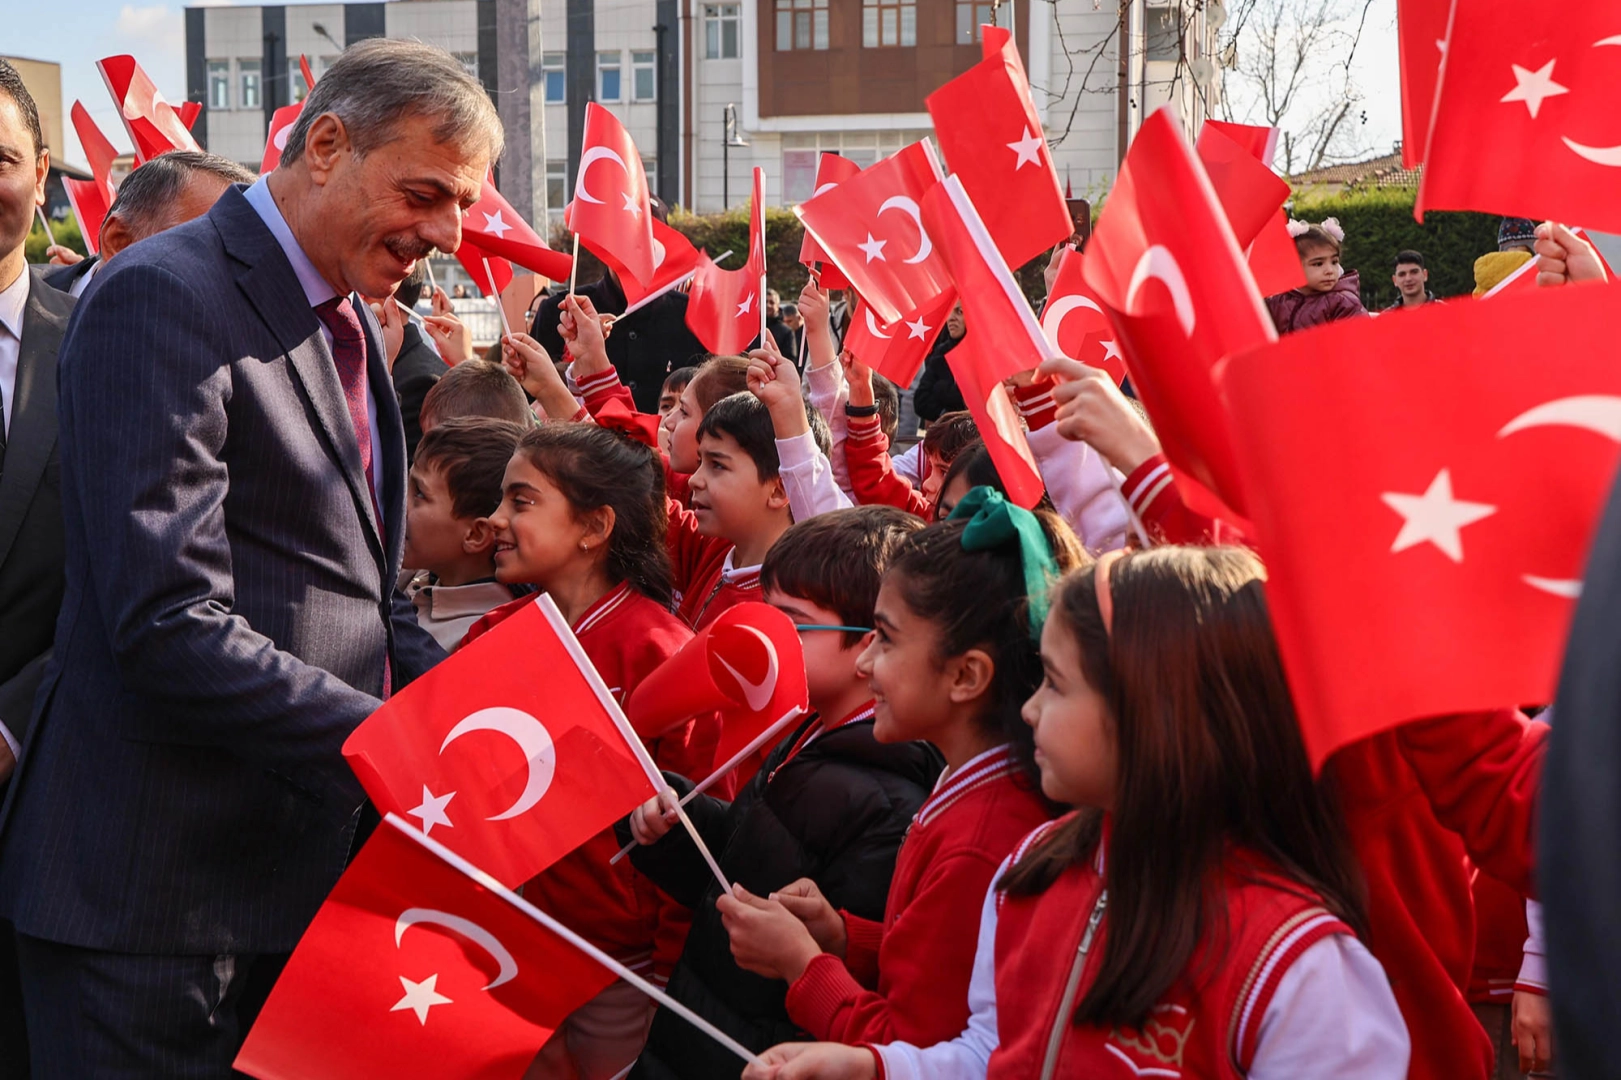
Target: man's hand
(1565, 258)
(774, 381)
(587, 337)
(393, 322)
(807, 904)
(532, 366)
(814, 1061)
(62, 256)
(1091, 409)
(1533, 1031)
(450, 336)
(766, 937)
(657, 816)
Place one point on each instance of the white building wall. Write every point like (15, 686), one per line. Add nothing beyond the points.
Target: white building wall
(450, 24)
(234, 34)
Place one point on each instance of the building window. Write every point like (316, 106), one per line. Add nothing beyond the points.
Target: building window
(297, 88)
(1164, 32)
(970, 17)
(554, 66)
(608, 88)
(643, 72)
(798, 175)
(888, 22)
(248, 74)
(556, 184)
(720, 31)
(219, 84)
(801, 24)
(650, 168)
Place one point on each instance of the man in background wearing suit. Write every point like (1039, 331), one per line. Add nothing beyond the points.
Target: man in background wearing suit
(418, 365)
(233, 495)
(169, 190)
(32, 319)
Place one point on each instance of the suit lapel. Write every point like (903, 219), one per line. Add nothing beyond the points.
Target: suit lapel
(267, 279)
(32, 437)
(390, 436)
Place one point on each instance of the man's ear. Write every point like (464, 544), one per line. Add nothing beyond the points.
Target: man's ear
(324, 144)
(969, 676)
(115, 236)
(480, 538)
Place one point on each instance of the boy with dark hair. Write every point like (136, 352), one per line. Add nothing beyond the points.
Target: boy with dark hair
(455, 486)
(830, 804)
(475, 388)
(1411, 279)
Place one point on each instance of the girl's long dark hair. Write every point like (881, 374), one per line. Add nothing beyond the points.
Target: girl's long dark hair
(977, 600)
(596, 467)
(1210, 760)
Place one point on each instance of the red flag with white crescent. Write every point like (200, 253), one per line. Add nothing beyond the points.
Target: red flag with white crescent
(831, 171)
(91, 199)
(723, 308)
(897, 350)
(152, 123)
(1076, 323)
(495, 227)
(611, 210)
(1238, 160)
(281, 126)
(510, 771)
(674, 262)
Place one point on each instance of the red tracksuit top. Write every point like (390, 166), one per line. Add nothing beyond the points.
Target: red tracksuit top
(1209, 1029)
(921, 957)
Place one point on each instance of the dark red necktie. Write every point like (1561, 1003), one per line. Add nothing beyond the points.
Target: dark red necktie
(349, 357)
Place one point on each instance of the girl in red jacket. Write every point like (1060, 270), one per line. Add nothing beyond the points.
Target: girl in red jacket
(1196, 916)
(583, 518)
(952, 659)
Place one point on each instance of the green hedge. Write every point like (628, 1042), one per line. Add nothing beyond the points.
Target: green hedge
(1379, 223)
(66, 232)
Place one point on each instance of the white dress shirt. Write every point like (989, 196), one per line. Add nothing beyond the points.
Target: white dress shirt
(13, 298)
(317, 290)
(84, 279)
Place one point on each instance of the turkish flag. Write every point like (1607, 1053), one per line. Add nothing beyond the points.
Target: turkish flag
(871, 226)
(1425, 525)
(1544, 81)
(91, 199)
(1076, 324)
(1002, 337)
(497, 228)
(724, 306)
(416, 968)
(674, 262)
(281, 126)
(1274, 261)
(988, 130)
(153, 124)
(610, 210)
(897, 350)
(1524, 277)
(1238, 160)
(831, 171)
(1421, 29)
(1164, 261)
(491, 273)
(509, 769)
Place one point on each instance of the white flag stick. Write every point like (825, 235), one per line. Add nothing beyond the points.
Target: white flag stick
(506, 327)
(39, 212)
(572, 938)
(1131, 511)
(433, 286)
(574, 266)
(733, 762)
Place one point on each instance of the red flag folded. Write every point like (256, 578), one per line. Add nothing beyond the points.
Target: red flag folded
(1421, 27)
(1164, 261)
(491, 273)
(1274, 260)
(415, 967)
(831, 171)
(497, 228)
(91, 199)
(674, 261)
(281, 126)
(897, 350)
(1542, 80)
(1076, 324)
(610, 211)
(153, 124)
(1002, 336)
(90, 206)
(723, 308)
(862, 225)
(990, 135)
(1238, 160)
(464, 749)
(1425, 525)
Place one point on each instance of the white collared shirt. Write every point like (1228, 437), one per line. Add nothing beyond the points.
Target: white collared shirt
(85, 278)
(317, 290)
(13, 299)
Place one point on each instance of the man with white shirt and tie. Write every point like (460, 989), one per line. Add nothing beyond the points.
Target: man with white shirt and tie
(233, 502)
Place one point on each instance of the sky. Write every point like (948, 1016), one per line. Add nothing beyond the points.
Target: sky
(78, 32)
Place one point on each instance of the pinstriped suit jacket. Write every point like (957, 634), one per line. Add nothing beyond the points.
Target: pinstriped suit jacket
(228, 609)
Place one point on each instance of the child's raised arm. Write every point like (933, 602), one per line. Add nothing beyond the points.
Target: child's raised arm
(807, 476)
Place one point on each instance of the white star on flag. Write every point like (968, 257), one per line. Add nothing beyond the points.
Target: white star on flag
(1028, 149)
(494, 224)
(1435, 517)
(420, 997)
(874, 249)
(743, 308)
(918, 328)
(1533, 87)
(1111, 350)
(631, 205)
(432, 810)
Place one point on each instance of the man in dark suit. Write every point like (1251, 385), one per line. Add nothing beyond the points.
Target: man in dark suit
(169, 190)
(233, 494)
(418, 365)
(32, 319)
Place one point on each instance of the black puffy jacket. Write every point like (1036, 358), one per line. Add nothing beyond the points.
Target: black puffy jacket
(836, 813)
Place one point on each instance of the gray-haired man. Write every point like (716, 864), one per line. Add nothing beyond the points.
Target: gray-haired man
(233, 489)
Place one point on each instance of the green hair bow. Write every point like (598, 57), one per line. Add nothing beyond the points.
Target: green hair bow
(993, 522)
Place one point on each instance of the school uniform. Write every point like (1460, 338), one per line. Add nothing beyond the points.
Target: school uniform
(449, 611)
(604, 391)
(1152, 494)
(1290, 991)
(907, 977)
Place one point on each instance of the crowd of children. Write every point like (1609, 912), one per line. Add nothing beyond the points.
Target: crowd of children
(1050, 814)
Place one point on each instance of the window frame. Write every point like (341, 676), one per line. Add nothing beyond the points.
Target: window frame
(639, 67)
(219, 80)
(554, 63)
(719, 19)
(295, 79)
(617, 67)
(806, 25)
(254, 69)
(885, 19)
